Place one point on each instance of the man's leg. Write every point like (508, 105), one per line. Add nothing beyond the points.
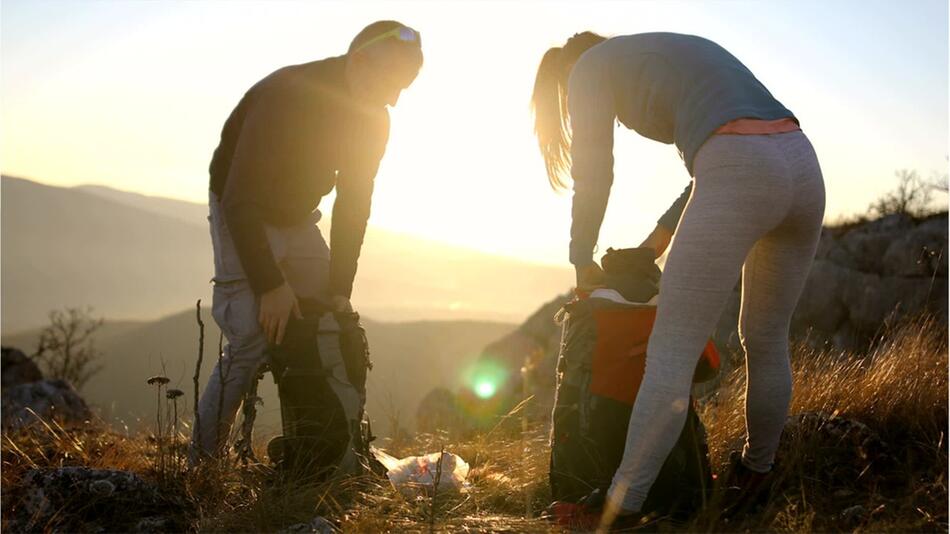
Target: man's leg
(234, 309)
(303, 256)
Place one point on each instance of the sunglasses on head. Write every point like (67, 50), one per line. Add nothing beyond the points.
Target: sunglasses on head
(404, 34)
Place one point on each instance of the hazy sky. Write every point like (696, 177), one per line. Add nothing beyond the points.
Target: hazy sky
(133, 95)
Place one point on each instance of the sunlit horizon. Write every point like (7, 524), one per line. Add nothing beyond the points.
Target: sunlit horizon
(133, 96)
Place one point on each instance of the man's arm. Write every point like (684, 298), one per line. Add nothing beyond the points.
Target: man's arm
(351, 209)
(248, 186)
(592, 115)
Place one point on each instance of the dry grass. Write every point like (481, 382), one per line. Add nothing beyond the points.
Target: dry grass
(49, 444)
(893, 462)
(895, 467)
(899, 387)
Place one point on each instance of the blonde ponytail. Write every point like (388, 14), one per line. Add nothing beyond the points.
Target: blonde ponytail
(549, 104)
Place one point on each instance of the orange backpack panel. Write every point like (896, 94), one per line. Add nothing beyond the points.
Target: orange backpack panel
(619, 358)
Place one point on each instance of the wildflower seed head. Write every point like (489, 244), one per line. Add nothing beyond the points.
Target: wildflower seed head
(160, 380)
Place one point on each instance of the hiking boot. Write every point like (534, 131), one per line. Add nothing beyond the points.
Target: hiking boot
(743, 489)
(592, 511)
(583, 515)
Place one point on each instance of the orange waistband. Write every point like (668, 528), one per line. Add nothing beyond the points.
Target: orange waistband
(758, 126)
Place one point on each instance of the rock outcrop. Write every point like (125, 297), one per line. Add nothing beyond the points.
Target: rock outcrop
(92, 500)
(845, 457)
(856, 443)
(48, 399)
(17, 368)
(865, 277)
(27, 396)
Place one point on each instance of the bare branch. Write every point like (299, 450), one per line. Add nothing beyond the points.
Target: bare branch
(911, 197)
(66, 348)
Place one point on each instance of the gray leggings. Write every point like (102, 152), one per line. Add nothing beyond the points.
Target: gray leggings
(757, 205)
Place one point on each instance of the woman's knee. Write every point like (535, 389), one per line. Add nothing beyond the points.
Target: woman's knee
(758, 337)
(767, 362)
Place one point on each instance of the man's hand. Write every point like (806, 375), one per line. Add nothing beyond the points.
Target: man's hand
(341, 304)
(659, 239)
(589, 277)
(276, 307)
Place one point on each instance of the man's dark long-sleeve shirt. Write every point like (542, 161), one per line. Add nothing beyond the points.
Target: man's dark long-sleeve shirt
(294, 136)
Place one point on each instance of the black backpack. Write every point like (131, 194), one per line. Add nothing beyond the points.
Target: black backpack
(320, 370)
(599, 370)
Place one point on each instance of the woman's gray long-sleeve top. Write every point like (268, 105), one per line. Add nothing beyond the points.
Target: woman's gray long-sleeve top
(672, 88)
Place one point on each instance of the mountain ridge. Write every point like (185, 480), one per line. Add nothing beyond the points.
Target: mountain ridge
(430, 353)
(132, 256)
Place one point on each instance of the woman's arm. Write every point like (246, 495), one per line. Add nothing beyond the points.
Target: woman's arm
(591, 108)
(671, 218)
(659, 239)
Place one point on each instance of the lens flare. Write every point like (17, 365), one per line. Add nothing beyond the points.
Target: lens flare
(484, 392)
(485, 378)
(485, 389)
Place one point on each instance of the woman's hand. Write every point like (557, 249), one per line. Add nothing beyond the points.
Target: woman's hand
(589, 277)
(659, 239)
(275, 309)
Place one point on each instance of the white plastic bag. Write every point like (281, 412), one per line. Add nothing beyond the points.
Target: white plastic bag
(416, 475)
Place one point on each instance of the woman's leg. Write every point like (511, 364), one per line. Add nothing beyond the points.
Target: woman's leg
(741, 192)
(773, 278)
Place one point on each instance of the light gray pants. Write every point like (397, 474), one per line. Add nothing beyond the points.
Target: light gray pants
(757, 205)
(304, 259)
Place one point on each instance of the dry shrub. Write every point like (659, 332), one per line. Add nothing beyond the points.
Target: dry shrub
(865, 430)
(899, 388)
(50, 444)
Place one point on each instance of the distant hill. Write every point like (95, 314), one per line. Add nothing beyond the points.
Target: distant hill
(64, 247)
(188, 212)
(409, 360)
(132, 256)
